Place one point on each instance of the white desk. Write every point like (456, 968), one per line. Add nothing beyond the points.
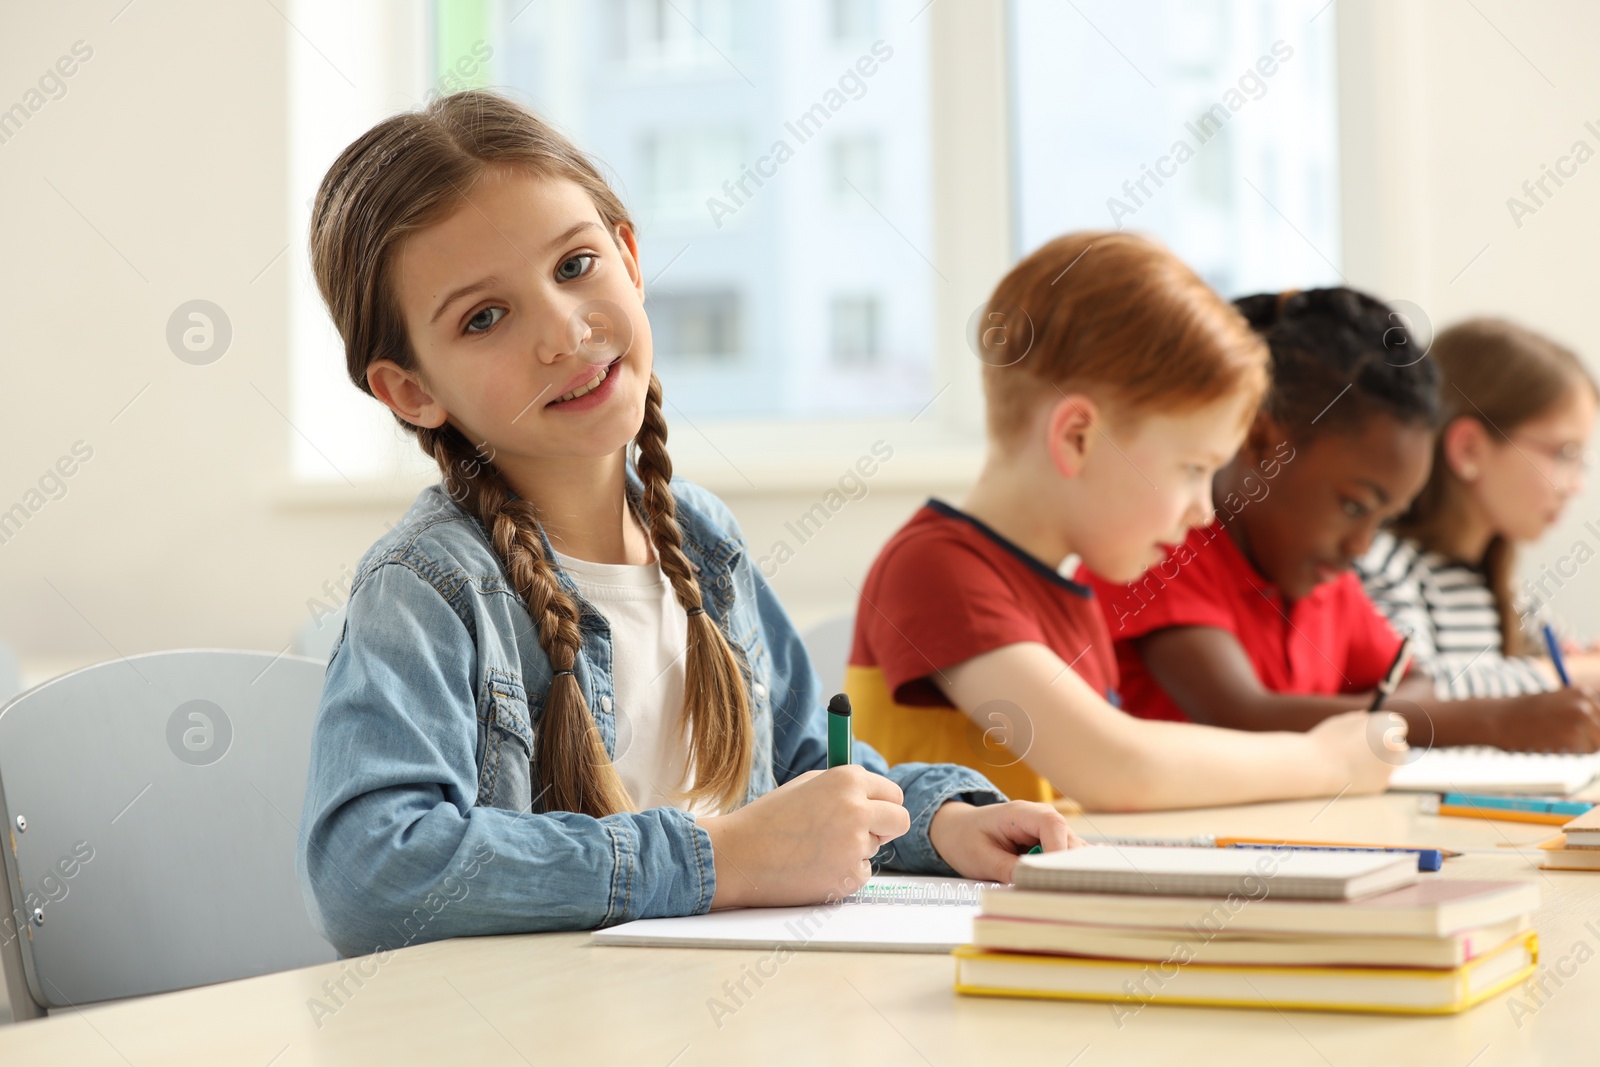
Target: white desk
(556, 999)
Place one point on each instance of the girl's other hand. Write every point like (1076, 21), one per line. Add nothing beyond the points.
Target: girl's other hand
(1563, 720)
(984, 841)
(809, 840)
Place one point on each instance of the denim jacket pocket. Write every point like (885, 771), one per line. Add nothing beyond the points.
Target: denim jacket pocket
(505, 772)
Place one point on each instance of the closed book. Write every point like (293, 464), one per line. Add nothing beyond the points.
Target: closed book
(1389, 990)
(1216, 872)
(1432, 908)
(1584, 831)
(1570, 859)
(1259, 948)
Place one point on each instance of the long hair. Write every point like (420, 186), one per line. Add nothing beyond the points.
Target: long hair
(409, 172)
(1512, 375)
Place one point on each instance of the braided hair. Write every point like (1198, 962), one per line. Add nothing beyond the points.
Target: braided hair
(1339, 357)
(409, 172)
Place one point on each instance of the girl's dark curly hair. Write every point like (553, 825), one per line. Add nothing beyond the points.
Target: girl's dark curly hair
(1339, 357)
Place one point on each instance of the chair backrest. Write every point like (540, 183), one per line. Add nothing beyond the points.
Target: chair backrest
(315, 637)
(10, 673)
(828, 645)
(154, 804)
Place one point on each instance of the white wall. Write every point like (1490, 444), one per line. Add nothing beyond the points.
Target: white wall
(1447, 109)
(160, 177)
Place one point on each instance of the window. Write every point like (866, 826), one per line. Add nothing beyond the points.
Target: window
(854, 20)
(855, 330)
(855, 184)
(773, 156)
(779, 164)
(1210, 124)
(676, 167)
(691, 328)
(661, 36)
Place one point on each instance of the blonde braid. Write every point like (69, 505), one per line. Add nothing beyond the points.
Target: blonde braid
(716, 708)
(570, 754)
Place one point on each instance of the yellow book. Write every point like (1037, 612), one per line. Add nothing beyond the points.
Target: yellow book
(1386, 990)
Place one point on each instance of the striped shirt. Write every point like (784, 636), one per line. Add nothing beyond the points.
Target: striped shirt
(1449, 610)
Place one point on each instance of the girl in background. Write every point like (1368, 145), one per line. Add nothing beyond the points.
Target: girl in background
(1518, 413)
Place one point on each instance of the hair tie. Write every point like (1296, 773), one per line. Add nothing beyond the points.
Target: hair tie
(1283, 298)
(696, 610)
(560, 673)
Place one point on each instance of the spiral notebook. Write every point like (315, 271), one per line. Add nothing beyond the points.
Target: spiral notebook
(891, 913)
(1474, 769)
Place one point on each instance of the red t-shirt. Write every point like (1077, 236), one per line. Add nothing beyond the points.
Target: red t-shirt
(1331, 641)
(944, 589)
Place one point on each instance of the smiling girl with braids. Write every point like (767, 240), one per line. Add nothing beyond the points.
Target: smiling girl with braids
(564, 697)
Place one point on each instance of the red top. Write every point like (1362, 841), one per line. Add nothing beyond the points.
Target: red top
(947, 588)
(1331, 641)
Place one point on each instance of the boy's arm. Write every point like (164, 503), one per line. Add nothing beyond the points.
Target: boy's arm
(1208, 674)
(1109, 761)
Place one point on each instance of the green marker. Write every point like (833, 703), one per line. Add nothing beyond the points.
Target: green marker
(839, 731)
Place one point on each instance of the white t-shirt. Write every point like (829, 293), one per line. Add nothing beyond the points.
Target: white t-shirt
(649, 637)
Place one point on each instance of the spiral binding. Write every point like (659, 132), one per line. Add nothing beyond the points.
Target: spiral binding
(921, 893)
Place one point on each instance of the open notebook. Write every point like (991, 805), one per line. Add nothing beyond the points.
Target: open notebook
(891, 913)
(1489, 770)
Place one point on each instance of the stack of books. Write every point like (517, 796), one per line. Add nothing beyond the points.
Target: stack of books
(1268, 929)
(1578, 848)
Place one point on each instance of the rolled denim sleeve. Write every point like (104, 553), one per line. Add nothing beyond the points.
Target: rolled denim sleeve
(799, 744)
(394, 850)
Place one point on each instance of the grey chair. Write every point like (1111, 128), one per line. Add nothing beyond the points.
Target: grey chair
(152, 805)
(10, 673)
(828, 645)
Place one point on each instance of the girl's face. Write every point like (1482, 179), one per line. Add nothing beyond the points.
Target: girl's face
(1147, 482)
(1326, 503)
(1520, 485)
(515, 304)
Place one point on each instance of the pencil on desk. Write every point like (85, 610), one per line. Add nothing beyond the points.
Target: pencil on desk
(1505, 809)
(1428, 859)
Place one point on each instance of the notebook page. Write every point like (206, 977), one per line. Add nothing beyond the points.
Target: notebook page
(891, 913)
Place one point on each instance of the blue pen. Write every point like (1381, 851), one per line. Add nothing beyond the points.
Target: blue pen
(1428, 859)
(1554, 646)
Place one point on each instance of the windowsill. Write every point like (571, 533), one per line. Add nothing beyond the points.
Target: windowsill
(737, 459)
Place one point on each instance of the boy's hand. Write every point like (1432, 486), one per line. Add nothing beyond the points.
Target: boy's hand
(1362, 748)
(984, 841)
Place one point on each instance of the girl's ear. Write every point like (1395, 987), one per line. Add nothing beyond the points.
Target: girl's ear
(404, 394)
(1069, 433)
(628, 245)
(1466, 447)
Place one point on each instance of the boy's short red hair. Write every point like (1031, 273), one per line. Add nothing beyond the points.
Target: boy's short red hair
(1115, 313)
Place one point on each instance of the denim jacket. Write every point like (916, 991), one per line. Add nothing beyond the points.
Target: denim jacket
(421, 819)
